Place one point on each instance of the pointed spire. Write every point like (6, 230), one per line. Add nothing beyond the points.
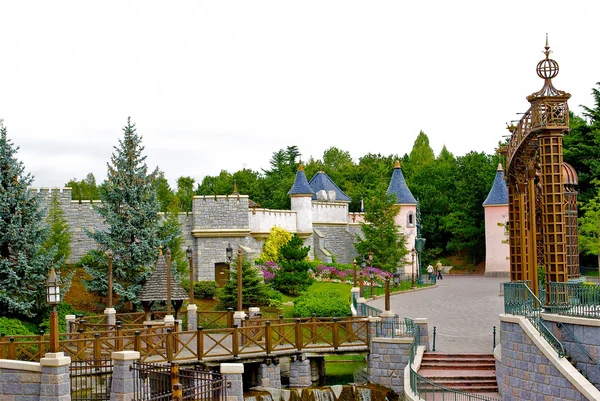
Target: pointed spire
(301, 186)
(498, 195)
(235, 191)
(398, 187)
(160, 251)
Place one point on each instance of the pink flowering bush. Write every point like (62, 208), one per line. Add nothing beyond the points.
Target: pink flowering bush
(268, 269)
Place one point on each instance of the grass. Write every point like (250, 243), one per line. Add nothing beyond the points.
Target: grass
(340, 368)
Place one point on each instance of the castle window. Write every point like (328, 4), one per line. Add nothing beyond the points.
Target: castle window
(410, 219)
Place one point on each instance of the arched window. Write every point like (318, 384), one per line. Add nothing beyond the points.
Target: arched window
(410, 219)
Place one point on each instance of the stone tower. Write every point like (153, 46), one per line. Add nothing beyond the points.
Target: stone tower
(301, 196)
(497, 253)
(406, 218)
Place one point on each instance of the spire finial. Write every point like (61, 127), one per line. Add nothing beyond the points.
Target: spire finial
(547, 51)
(397, 164)
(300, 167)
(500, 167)
(160, 251)
(235, 187)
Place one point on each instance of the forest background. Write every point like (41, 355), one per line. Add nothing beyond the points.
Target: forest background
(450, 189)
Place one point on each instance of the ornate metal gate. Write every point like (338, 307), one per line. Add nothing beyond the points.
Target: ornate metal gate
(91, 379)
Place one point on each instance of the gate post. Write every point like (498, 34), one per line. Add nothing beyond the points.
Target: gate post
(232, 372)
(122, 388)
(55, 379)
(192, 317)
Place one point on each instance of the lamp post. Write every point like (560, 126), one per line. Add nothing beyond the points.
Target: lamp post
(387, 294)
(361, 285)
(354, 265)
(371, 276)
(168, 282)
(190, 256)
(412, 266)
(110, 274)
(397, 278)
(53, 299)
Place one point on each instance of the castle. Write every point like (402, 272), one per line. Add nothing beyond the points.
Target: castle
(319, 215)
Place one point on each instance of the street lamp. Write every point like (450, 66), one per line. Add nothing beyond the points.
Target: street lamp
(371, 276)
(53, 299)
(396, 279)
(412, 265)
(190, 256)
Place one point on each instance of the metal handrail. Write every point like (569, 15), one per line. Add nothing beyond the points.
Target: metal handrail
(585, 351)
(422, 387)
(520, 300)
(575, 299)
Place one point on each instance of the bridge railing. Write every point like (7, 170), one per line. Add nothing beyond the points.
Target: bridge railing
(165, 343)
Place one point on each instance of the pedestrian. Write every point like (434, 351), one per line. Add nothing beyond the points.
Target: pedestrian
(430, 272)
(438, 268)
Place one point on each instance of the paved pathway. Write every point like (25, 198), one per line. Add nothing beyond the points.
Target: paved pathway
(463, 308)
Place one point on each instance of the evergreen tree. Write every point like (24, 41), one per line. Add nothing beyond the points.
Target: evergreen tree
(381, 235)
(130, 209)
(293, 277)
(85, 189)
(254, 290)
(24, 263)
(589, 228)
(59, 231)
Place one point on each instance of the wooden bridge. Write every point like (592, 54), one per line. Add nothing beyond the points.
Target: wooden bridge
(221, 341)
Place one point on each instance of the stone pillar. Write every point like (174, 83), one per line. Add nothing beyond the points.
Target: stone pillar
(423, 331)
(235, 385)
(70, 320)
(269, 374)
(359, 306)
(317, 371)
(192, 317)
(169, 320)
(300, 372)
(387, 359)
(111, 315)
(55, 379)
(373, 322)
(238, 318)
(253, 312)
(122, 388)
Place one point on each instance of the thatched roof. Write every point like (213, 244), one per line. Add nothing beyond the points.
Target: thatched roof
(155, 288)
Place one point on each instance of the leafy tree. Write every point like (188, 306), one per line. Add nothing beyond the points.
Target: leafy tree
(164, 193)
(381, 235)
(59, 231)
(276, 239)
(372, 174)
(24, 262)
(420, 155)
(280, 178)
(185, 192)
(85, 189)
(589, 228)
(254, 291)
(293, 276)
(130, 209)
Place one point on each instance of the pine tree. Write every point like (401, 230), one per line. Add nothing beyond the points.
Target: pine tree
(254, 290)
(24, 263)
(130, 209)
(381, 235)
(59, 231)
(293, 276)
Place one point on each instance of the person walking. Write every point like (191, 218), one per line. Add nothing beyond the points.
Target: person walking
(430, 272)
(438, 269)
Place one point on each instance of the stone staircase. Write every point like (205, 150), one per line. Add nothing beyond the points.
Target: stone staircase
(463, 372)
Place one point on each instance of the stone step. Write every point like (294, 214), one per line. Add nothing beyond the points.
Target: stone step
(458, 366)
(434, 355)
(470, 389)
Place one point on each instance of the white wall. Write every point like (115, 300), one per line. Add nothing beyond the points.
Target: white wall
(329, 212)
(262, 220)
(496, 240)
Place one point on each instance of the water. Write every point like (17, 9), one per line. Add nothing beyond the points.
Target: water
(328, 393)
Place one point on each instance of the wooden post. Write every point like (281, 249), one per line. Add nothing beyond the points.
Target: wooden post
(354, 265)
(313, 330)
(298, 334)
(169, 345)
(137, 345)
(53, 330)
(229, 317)
(199, 342)
(41, 345)
(361, 286)
(387, 294)
(12, 349)
(3, 346)
(97, 346)
(235, 341)
(336, 333)
(119, 338)
(239, 280)
(268, 337)
(175, 385)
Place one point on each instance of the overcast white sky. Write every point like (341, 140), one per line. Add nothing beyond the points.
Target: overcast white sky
(223, 84)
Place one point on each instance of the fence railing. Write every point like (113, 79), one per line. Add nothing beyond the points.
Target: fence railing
(165, 343)
(575, 299)
(91, 379)
(427, 389)
(519, 300)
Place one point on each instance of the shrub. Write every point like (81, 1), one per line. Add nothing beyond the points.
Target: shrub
(205, 289)
(276, 239)
(254, 290)
(14, 327)
(322, 304)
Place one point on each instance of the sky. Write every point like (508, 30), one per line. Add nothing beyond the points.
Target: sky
(221, 85)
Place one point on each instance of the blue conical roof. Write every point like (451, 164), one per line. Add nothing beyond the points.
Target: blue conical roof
(321, 181)
(399, 189)
(301, 186)
(499, 193)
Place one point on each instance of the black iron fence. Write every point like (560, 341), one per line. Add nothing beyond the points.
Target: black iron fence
(91, 379)
(157, 382)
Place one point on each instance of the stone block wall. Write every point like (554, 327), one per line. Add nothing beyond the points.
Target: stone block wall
(220, 212)
(530, 369)
(20, 384)
(338, 240)
(387, 360)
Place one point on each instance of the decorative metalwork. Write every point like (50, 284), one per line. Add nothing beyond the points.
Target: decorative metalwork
(519, 300)
(542, 199)
(575, 299)
(91, 379)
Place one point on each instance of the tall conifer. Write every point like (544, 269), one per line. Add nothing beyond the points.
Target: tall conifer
(24, 263)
